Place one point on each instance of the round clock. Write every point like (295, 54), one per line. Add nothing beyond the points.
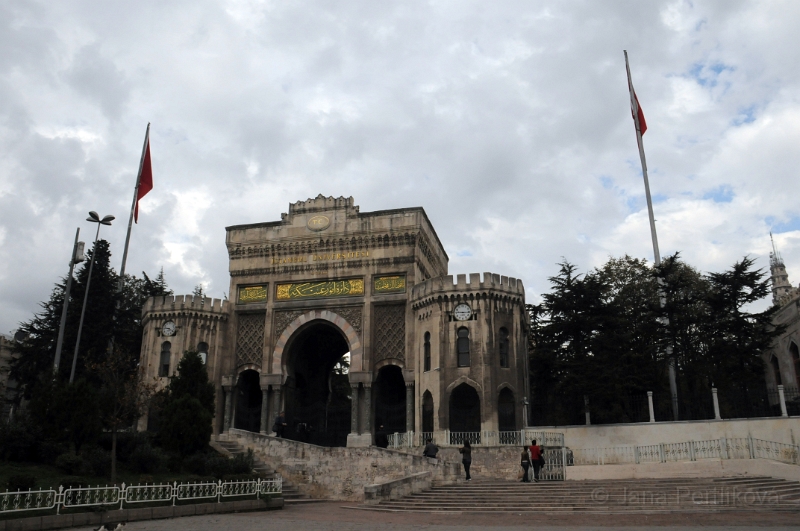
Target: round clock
(168, 329)
(462, 312)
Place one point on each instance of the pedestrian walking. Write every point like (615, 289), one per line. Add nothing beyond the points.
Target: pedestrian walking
(537, 460)
(466, 458)
(280, 424)
(525, 463)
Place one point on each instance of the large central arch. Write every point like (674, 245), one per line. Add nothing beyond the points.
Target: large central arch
(316, 390)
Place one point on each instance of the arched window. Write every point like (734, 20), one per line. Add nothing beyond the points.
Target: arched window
(202, 349)
(506, 416)
(502, 347)
(462, 347)
(427, 351)
(776, 370)
(427, 412)
(793, 350)
(163, 366)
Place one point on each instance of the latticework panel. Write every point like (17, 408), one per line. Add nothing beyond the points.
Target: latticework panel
(390, 332)
(250, 338)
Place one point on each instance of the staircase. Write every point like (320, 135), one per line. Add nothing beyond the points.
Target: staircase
(605, 496)
(291, 495)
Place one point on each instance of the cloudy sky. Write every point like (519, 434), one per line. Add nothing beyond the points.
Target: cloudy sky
(508, 121)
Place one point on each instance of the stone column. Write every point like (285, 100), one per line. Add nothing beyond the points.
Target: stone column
(277, 399)
(354, 401)
(226, 422)
(782, 398)
(368, 408)
(716, 403)
(586, 409)
(650, 404)
(264, 405)
(409, 407)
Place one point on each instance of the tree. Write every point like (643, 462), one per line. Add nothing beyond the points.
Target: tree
(124, 395)
(66, 413)
(188, 408)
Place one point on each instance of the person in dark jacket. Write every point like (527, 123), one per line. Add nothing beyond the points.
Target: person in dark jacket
(525, 462)
(536, 459)
(381, 438)
(280, 424)
(466, 458)
(430, 449)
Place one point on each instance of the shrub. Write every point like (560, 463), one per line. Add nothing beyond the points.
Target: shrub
(147, 460)
(49, 451)
(240, 477)
(19, 439)
(98, 460)
(185, 426)
(221, 466)
(195, 464)
(21, 482)
(73, 481)
(73, 464)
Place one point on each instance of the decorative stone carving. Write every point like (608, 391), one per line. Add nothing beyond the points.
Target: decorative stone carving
(390, 332)
(282, 320)
(250, 339)
(351, 314)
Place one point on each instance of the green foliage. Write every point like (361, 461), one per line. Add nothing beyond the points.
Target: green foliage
(605, 336)
(192, 380)
(21, 482)
(148, 460)
(219, 466)
(66, 413)
(20, 439)
(185, 425)
(73, 464)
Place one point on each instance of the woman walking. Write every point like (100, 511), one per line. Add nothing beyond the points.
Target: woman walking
(466, 457)
(525, 462)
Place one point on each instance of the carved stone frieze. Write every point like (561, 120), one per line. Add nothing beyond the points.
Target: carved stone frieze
(282, 320)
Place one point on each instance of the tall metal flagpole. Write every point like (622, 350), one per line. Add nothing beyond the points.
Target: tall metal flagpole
(133, 208)
(673, 386)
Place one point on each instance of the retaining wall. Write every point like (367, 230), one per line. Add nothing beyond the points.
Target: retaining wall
(339, 473)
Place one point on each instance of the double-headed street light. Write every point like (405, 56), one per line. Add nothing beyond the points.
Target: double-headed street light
(94, 218)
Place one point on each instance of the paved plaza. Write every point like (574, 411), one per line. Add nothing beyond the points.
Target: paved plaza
(331, 516)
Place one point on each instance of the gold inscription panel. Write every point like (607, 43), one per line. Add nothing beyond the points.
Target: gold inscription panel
(314, 290)
(389, 284)
(250, 294)
(322, 257)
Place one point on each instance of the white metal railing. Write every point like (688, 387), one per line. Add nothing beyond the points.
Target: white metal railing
(477, 438)
(723, 448)
(72, 497)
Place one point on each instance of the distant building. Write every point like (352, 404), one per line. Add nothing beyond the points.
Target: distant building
(428, 352)
(8, 387)
(783, 359)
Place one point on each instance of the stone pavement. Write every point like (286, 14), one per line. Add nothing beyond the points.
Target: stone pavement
(330, 516)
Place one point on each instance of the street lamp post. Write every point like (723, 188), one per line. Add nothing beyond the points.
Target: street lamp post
(94, 218)
(77, 256)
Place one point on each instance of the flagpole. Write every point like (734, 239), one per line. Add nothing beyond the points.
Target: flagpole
(673, 384)
(133, 208)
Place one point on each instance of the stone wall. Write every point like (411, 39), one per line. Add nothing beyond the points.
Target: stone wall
(339, 473)
(779, 429)
(488, 461)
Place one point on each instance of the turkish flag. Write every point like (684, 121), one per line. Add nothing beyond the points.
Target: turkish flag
(636, 111)
(145, 177)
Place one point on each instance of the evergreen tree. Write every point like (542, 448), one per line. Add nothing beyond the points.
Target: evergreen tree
(188, 408)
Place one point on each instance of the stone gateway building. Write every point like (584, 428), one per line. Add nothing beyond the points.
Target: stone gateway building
(350, 323)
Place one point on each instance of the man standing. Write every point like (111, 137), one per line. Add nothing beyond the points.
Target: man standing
(536, 459)
(280, 425)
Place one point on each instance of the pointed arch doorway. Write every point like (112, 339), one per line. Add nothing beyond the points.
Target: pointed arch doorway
(317, 391)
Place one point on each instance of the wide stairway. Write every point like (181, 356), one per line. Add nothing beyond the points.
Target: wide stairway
(605, 496)
(290, 493)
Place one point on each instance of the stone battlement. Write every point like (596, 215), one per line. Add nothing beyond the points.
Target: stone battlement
(320, 203)
(170, 303)
(445, 284)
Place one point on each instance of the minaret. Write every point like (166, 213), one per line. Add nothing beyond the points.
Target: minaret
(780, 280)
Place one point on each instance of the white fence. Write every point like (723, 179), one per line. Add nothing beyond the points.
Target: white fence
(724, 448)
(477, 438)
(72, 497)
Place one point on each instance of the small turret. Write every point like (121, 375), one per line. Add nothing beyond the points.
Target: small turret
(780, 279)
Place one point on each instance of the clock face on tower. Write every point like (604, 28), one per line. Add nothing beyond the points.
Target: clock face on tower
(168, 329)
(462, 312)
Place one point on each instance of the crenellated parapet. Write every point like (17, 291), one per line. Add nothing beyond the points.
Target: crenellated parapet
(184, 305)
(491, 286)
(321, 203)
